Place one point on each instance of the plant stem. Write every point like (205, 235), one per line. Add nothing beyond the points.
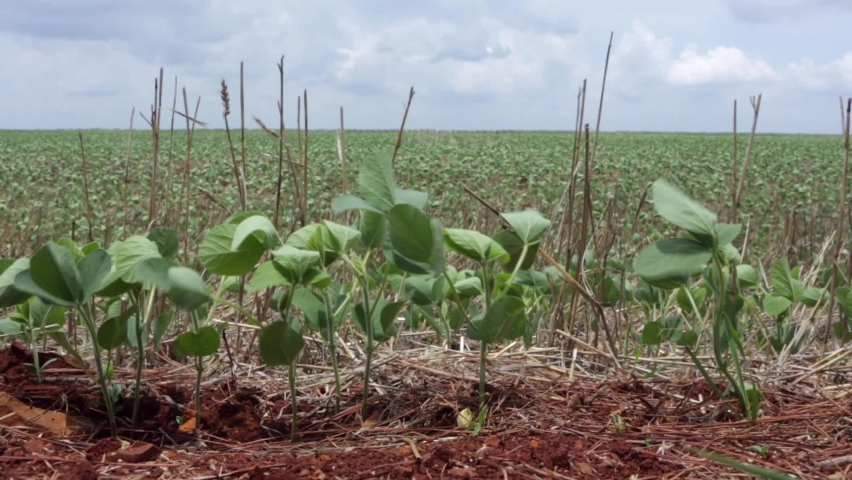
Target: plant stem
(332, 349)
(89, 320)
(483, 355)
(294, 427)
(368, 326)
(140, 350)
(199, 371)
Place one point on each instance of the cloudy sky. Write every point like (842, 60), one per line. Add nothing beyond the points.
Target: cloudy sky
(475, 64)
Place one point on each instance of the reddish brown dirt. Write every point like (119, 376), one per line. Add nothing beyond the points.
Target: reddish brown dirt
(566, 430)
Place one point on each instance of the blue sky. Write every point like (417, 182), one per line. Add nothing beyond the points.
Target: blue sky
(475, 64)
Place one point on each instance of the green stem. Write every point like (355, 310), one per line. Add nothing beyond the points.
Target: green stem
(141, 322)
(34, 348)
(89, 320)
(483, 356)
(368, 326)
(332, 348)
(294, 427)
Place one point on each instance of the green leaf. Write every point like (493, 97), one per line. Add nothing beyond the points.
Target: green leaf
(528, 225)
(499, 322)
(167, 241)
(385, 315)
(313, 306)
(187, 290)
(681, 210)
(294, 264)
(9, 295)
(281, 342)
(216, 255)
(266, 276)
(747, 276)
(52, 276)
(301, 237)
(812, 296)
(93, 268)
(670, 262)
(375, 181)
(474, 245)
(253, 231)
(45, 316)
(414, 198)
(161, 325)
(70, 245)
(10, 327)
(130, 253)
(652, 333)
(113, 332)
(469, 287)
(783, 282)
(345, 203)
(372, 227)
(201, 344)
(514, 246)
(844, 298)
(726, 233)
(411, 233)
(340, 237)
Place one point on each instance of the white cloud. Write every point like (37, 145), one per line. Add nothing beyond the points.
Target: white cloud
(474, 64)
(718, 65)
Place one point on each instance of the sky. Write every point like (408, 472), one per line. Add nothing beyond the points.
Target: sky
(474, 64)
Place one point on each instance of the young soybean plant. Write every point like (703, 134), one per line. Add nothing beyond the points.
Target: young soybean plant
(704, 249)
(329, 241)
(503, 316)
(58, 279)
(392, 220)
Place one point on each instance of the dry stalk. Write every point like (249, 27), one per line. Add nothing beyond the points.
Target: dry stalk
(402, 125)
(90, 216)
(127, 173)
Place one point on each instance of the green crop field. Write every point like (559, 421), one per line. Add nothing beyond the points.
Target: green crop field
(42, 188)
(474, 284)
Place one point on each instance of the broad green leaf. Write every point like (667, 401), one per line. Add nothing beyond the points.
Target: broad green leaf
(201, 344)
(113, 332)
(161, 326)
(313, 306)
(9, 295)
(216, 255)
(155, 270)
(419, 290)
(340, 237)
(254, 230)
(414, 198)
(294, 263)
(10, 327)
(514, 246)
(385, 315)
(670, 262)
(726, 233)
(375, 181)
(281, 342)
(52, 276)
(681, 210)
(783, 282)
(301, 237)
(812, 296)
(689, 339)
(528, 225)
(469, 287)
(70, 245)
(130, 253)
(45, 316)
(411, 233)
(167, 241)
(844, 298)
(372, 227)
(238, 217)
(93, 268)
(345, 203)
(499, 322)
(652, 333)
(187, 289)
(474, 245)
(747, 276)
(266, 276)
